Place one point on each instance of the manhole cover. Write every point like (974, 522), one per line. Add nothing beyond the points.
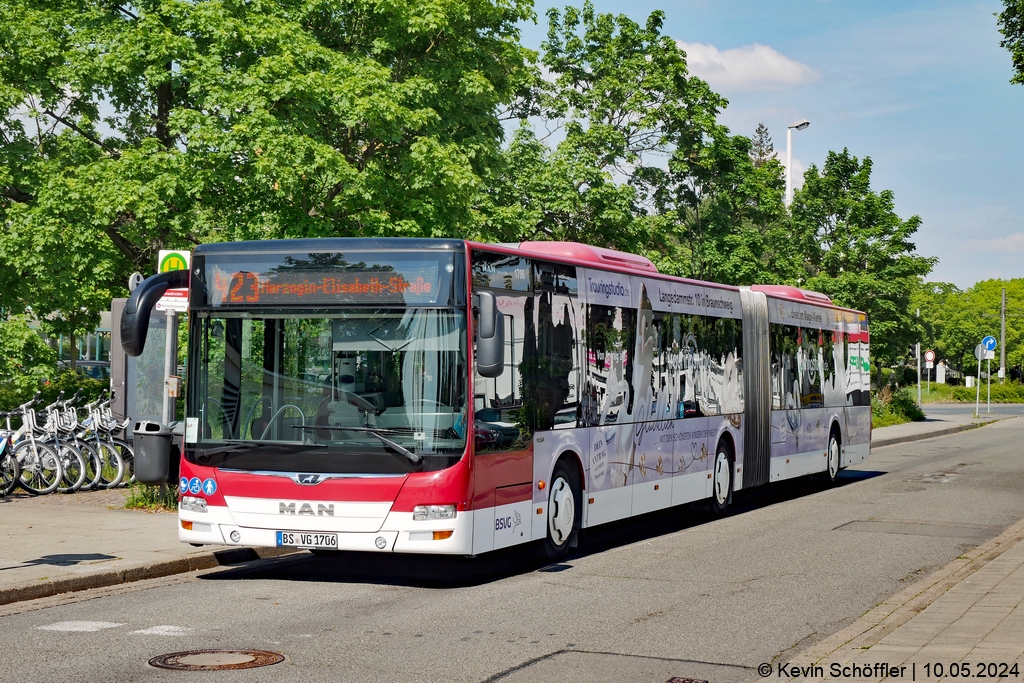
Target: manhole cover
(216, 660)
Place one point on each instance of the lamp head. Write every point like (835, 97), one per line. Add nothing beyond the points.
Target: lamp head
(800, 125)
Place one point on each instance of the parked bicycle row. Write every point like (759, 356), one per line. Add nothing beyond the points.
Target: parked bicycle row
(71, 448)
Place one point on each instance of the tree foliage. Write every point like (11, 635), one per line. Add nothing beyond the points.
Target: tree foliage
(858, 251)
(130, 127)
(1011, 25)
(624, 150)
(958, 320)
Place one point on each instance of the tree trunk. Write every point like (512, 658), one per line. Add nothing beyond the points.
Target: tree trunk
(73, 362)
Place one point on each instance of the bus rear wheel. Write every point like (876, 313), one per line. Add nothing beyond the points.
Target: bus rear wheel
(564, 510)
(833, 455)
(721, 479)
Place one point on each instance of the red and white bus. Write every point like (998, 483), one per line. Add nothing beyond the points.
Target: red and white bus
(444, 396)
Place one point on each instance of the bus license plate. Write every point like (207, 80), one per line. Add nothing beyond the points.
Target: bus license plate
(289, 539)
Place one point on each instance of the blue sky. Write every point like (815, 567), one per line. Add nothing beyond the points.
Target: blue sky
(920, 87)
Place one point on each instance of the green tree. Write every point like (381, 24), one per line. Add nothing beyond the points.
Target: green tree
(129, 127)
(939, 302)
(763, 148)
(25, 359)
(1011, 25)
(858, 251)
(632, 156)
(970, 315)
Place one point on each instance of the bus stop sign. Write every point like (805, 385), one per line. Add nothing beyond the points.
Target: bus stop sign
(173, 299)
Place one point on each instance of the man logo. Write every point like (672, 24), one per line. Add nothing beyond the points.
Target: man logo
(308, 479)
(322, 509)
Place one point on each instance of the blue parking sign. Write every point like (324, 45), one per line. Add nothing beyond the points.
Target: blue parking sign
(194, 485)
(209, 487)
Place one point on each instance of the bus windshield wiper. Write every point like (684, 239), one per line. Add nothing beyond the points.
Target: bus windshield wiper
(241, 444)
(415, 458)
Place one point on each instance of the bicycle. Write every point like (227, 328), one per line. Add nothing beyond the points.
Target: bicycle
(41, 467)
(10, 469)
(98, 434)
(61, 437)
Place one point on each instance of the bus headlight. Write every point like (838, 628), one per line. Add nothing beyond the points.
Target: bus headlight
(424, 512)
(193, 504)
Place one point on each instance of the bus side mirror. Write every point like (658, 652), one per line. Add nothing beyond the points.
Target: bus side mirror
(490, 336)
(139, 308)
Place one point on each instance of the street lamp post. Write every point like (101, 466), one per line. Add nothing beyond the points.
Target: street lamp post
(799, 125)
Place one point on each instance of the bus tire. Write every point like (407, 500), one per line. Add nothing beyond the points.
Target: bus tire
(721, 478)
(565, 507)
(833, 455)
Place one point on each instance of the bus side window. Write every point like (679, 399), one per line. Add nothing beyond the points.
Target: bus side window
(785, 375)
(610, 335)
(724, 347)
(811, 367)
(557, 370)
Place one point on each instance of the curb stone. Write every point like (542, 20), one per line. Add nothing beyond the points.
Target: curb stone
(881, 443)
(183, 565)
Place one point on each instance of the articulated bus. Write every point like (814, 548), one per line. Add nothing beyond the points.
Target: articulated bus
(444, 396)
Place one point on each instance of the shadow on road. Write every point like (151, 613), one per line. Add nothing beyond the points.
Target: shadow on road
(441, 572)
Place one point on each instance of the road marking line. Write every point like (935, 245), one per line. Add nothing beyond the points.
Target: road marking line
(164, 630)
(84, 626)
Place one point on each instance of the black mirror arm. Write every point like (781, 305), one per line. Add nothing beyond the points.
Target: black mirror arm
(139, 308)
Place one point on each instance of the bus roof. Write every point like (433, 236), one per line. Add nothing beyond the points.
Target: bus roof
(571, 252)
(331, 244)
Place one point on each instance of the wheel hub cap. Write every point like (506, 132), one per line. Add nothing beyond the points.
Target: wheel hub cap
(561, 511)
(721, 478)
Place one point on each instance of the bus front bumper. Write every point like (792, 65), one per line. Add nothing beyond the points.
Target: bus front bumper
(399, 533)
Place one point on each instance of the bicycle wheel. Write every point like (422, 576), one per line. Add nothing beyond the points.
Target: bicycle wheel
(74, 468)
(41, 469)
(10, 471)
(113, 466)
(128, 455)
(93, 465)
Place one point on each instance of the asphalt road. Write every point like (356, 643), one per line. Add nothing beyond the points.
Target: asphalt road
(1000, 409)
(671, 594)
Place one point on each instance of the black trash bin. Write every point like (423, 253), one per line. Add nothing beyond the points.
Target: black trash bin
(152, 452)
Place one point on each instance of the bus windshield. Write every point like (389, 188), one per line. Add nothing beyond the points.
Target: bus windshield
(356, 390)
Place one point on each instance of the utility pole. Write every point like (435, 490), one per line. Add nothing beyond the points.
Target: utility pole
(1002, 339)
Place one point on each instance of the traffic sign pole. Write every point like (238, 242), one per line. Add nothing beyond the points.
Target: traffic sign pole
(979, 353)
(929, 363)
(989, 409)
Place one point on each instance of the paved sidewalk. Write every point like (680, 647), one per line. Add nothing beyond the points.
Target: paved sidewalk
(60, 543)
(965, 620)
(931, 426)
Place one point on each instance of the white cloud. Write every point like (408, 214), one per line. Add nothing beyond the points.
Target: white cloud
(745, 69)
(1008, 244)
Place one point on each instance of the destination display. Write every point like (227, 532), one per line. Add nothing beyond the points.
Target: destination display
(316, 279)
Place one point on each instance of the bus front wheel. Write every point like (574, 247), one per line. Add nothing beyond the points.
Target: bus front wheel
(564, 511)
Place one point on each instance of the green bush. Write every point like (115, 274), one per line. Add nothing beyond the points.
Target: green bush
(142, 497)
(1011, 392)
(13, 394)
(890, 407)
